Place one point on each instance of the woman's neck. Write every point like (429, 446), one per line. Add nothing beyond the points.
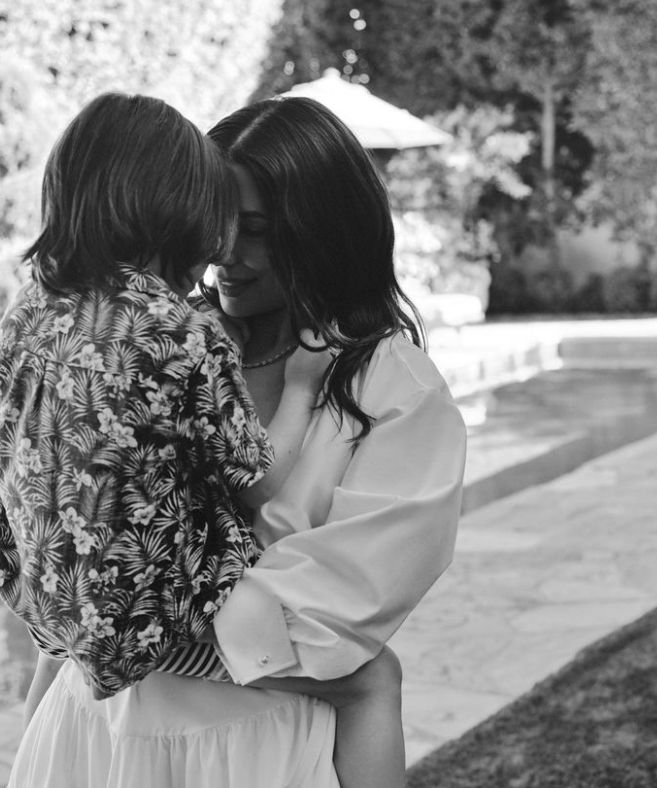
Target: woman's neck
(268, 334)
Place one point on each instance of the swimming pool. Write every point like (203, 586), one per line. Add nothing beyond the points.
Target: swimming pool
(519, 434)
(529, 432)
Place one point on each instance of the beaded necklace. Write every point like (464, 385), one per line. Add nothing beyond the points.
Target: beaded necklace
(272, 359)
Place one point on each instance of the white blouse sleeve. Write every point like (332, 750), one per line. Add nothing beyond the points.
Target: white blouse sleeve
(321, 602)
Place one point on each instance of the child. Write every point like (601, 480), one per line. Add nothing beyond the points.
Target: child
(127, 436)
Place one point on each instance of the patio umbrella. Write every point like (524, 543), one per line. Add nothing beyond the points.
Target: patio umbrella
(377, 124)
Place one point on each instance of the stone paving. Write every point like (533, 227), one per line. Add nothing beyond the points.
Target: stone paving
(536, 576)
(11, 727)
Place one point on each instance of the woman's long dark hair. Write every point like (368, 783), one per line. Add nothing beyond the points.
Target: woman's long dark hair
(332, 236)
(130, 178)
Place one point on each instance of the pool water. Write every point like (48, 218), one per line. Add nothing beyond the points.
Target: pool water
(519, 434)
(529, 432)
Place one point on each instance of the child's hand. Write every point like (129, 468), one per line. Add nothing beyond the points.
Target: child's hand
(99, 694)
(306, 368)
(381, 676)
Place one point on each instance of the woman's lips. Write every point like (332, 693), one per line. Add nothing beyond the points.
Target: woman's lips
(233, 287)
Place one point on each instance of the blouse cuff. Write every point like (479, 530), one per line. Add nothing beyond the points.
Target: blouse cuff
(252, 634)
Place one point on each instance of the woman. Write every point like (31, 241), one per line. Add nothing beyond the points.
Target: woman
(364, 523)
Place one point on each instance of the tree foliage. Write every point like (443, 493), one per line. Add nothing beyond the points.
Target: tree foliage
(308, 39)
(613, 106)
(444, 241)
(200, 55)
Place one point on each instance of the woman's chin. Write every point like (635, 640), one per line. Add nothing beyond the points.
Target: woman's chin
(231, 308)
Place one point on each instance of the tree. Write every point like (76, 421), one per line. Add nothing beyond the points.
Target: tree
(613, 106)
(420, 55)
(311, 37)
(539, 48)
(444, 241)
(427, 55)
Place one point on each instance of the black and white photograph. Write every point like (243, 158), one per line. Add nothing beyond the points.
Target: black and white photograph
(328, 394)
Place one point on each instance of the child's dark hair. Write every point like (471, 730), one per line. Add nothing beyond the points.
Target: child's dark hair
(332, 236)
(130, 178)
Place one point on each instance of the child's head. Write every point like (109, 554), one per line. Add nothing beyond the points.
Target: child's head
(130, 180)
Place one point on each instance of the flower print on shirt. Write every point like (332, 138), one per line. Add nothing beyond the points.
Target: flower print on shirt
(117, 381)
(28, 460)
(71, 521)
(82, 479)
(167, 452)
(49, 580)
(146, 578)
(160, 307)
(195, 346)
(105, 579)
(143, 515)
(238, 419)
(8, 414)
(65, 386)
(110, 425)
(63, 323)
(75, 524)
(152, 634)
(91, 359)
(204, 426)
(96, 624)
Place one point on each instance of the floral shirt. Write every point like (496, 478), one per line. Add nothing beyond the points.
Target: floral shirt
(125, 433)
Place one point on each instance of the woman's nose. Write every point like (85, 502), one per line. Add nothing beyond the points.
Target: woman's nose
(233, 256)
(226, 259)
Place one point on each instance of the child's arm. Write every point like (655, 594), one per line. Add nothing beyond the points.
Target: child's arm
(304, 373)
(369, 743)
(44, 675)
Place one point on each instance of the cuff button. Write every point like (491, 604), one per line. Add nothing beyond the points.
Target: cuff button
(264, 660)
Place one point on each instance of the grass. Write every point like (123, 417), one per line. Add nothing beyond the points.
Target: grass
(593, 724)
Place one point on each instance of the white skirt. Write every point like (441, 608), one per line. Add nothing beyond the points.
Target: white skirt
(174, 732)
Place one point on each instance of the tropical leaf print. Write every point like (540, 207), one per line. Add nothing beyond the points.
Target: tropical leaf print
(122, 419)
(135, 323)
(94, 318)
(66, 347)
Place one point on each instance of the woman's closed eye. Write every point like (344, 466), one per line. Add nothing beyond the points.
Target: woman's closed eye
(253, 225)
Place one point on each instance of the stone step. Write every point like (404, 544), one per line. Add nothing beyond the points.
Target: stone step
(626, 352)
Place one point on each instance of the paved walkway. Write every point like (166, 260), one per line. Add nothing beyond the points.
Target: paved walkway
(536, 576)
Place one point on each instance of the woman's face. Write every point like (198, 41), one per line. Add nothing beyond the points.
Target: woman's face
(246, 282)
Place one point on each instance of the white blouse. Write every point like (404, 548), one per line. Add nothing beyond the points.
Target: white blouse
(354, 538)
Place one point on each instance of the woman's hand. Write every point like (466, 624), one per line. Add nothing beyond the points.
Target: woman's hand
(306, 368)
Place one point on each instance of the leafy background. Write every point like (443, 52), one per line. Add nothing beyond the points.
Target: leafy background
(550, 103)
